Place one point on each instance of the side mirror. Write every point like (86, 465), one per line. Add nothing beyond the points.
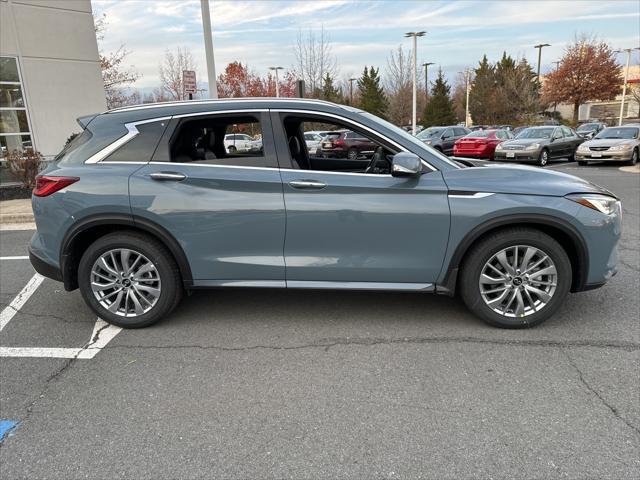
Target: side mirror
(406, 164)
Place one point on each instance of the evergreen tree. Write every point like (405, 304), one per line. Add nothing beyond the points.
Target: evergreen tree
(439, 110)
(329, 92)
(372, 97)
(482, 95)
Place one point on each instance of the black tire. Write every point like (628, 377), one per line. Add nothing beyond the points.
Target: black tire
(171, 282)
(634, 158)
(543, 158)
(480, 253)
(232, 149)
(352, 154)
(582, 163)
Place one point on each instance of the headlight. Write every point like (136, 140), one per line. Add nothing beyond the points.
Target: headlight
(428, 142)
(583, 148)
(533, 146)
(621, 147)
(602, 203)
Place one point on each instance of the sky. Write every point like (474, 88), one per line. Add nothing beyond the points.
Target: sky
(263, 33)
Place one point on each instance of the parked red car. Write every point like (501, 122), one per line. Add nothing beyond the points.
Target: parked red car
(481, 143)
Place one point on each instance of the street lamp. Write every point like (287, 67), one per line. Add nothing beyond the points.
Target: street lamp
(426, 79)
(540, 47)
(277, 82)
(351, 80)
(466, 74)
(415, 36)
(626, 76)
(208, 48)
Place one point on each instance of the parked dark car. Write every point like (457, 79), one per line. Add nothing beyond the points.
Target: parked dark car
(480, 144)
(346, 144)
(443, 138)
(133, 213)
(539, 145)
(590, 130)
(517, 130)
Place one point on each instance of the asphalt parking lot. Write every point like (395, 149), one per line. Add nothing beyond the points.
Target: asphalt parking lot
(315, 384)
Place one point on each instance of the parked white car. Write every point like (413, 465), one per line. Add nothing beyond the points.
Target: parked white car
(237, 142)
(313, 141)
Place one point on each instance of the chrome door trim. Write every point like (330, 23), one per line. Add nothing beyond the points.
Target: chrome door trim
(240, 283)
(357, 124)
(472, 195)
(132, 131)
(209, 165)
(307, 184)
(406, 287)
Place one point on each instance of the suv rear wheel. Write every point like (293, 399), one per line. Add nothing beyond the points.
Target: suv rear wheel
(515, 278)
(129, 279)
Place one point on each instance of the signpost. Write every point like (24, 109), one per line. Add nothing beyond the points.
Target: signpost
(189, 82)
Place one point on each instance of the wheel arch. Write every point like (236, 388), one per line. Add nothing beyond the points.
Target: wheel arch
(86, 231)
(564, 233)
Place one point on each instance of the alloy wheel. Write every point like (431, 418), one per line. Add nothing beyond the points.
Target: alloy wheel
(125, 282)
(544, 158)
(518, 281)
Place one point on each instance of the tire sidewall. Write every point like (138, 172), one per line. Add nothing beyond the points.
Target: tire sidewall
(542, 160)
(165, 302)
(471, 289)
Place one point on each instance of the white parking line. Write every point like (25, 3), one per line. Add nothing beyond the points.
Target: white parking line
(17, 257)
(10, 310)
(102, 334)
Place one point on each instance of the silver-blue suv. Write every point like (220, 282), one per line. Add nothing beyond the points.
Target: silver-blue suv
(148, 203)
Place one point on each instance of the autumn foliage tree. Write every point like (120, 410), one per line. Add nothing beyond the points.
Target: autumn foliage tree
(239, 81)
(587, 71)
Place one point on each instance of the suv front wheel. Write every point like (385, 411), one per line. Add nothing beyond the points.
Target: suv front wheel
(515, 278)
(129, 279)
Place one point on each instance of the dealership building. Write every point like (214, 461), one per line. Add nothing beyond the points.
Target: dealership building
(49, 72)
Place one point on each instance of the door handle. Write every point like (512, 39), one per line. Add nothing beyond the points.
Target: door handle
(307, 184)
(168, 176)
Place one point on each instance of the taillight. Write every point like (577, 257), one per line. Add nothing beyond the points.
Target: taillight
(338, 143)
(46, 185)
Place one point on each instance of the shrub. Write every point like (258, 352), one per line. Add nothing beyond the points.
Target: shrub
(25, 165)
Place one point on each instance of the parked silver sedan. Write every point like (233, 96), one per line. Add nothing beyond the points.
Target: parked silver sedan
(613, 144)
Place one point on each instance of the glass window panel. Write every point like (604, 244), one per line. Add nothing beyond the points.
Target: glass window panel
(9, 143)
(8, 70)
(13, 121)
(11, 96)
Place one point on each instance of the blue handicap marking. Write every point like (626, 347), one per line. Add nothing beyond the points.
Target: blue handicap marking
(6, 427)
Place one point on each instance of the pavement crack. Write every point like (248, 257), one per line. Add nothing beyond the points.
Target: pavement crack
(334, 342)
(586, 384)
(40, 315)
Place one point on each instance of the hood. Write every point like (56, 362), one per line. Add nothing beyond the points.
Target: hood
(524, 141)
(518, 179)
(609, 142)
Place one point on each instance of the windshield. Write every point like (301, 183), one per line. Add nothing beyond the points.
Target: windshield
(410, 138)
(587, 127)
(536, 133)
(479, 134)
(430, 133)
(620, 132)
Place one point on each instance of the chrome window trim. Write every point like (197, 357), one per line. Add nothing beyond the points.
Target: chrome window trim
(358, 124)
(132, 131)
(208, 165)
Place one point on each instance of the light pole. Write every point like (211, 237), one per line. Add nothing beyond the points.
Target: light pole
(277, 82)
(540, 47)
(351, 80)
(426, 79)
(466, 74)
(208, 48)
(415, 36)
(556, 63)
(626, 77)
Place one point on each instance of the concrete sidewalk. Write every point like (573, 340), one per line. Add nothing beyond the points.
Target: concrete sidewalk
(16, 211)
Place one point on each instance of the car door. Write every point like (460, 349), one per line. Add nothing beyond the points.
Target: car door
(448, 140)
(572, 141)
(557, 145)
(357, 230)
(227, 212)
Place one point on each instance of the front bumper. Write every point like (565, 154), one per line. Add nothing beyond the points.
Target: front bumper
(516, 155)
(612, 156)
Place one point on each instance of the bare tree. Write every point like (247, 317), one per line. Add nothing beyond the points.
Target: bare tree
(171, 68)
(399, 86)
(314, 60)
(116, 78)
